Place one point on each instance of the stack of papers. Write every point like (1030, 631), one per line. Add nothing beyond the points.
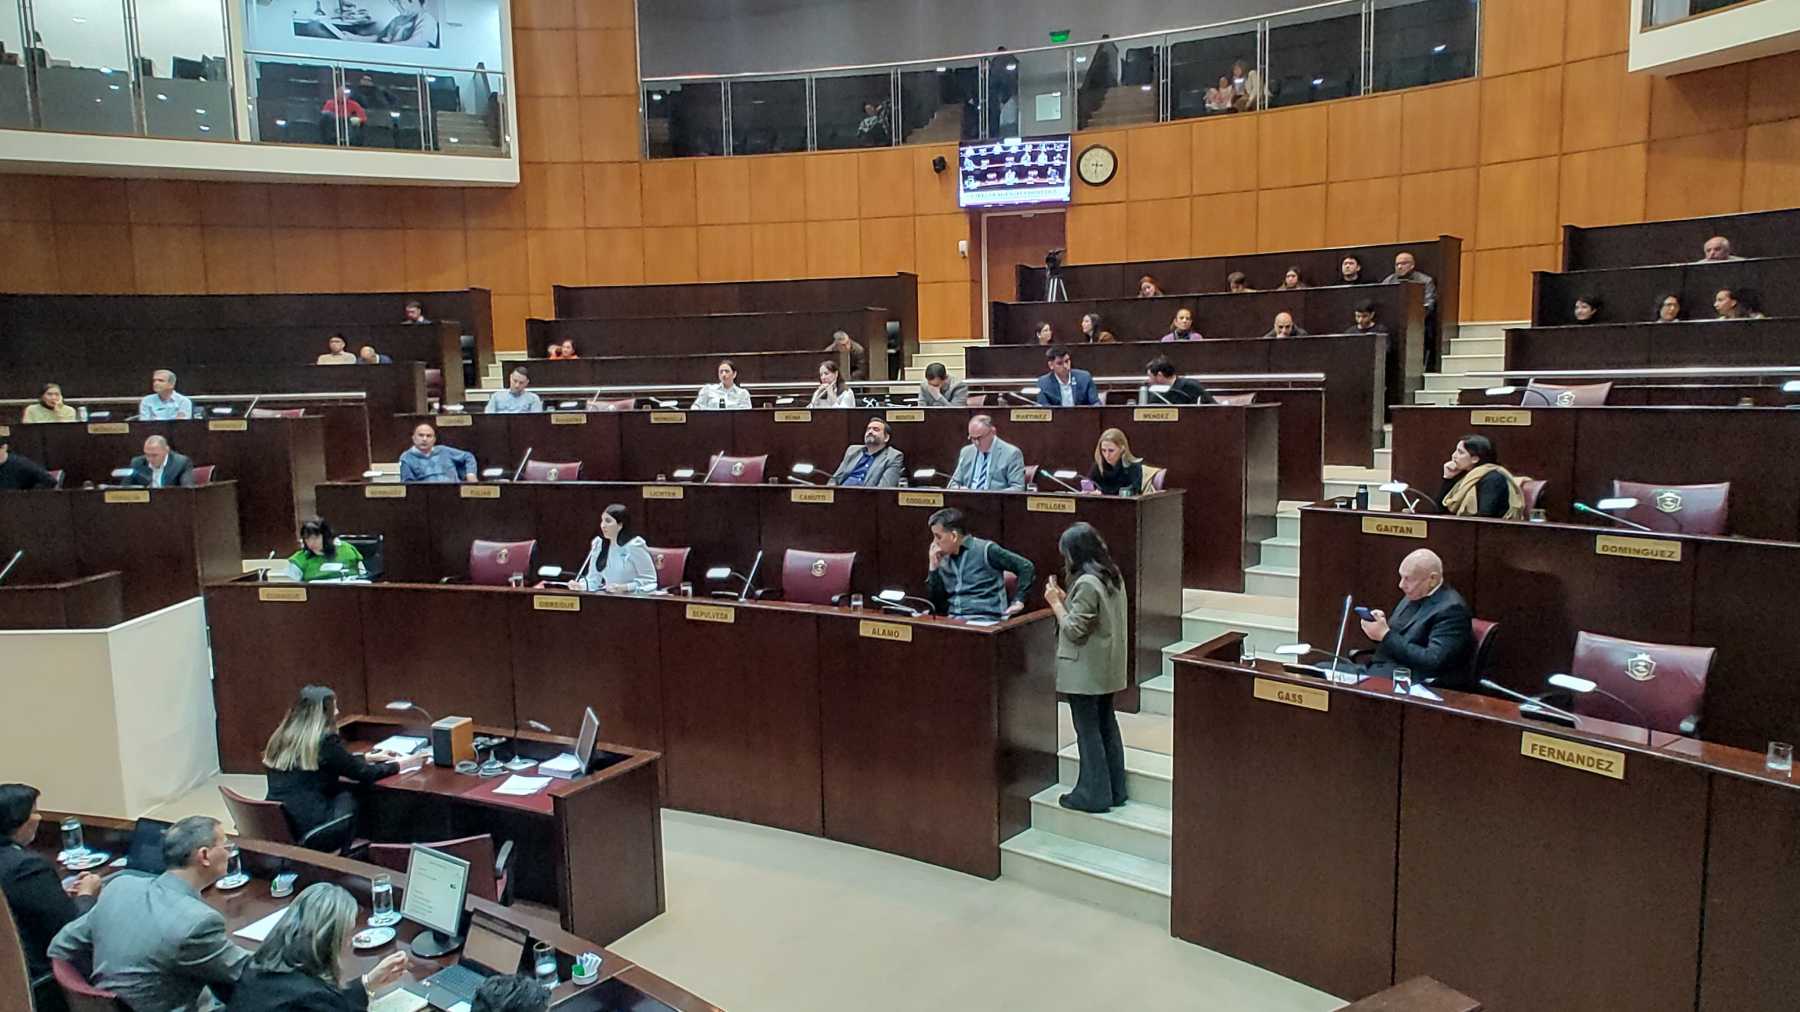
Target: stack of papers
(521, 786)
(566, 766)
(400, 744)
(260, 930)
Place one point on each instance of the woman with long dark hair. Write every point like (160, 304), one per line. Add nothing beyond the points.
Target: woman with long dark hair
(619, 561)
(1092, 658)
(833, 392)
(322, 556)
(306, 763)
(1475, 485)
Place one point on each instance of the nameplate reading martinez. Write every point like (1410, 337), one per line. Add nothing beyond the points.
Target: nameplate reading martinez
(1030, 415)
(1576, 756)
(711, 613)
(1305, 697)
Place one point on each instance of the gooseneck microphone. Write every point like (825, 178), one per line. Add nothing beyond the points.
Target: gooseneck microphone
(1581, 507)
(1532, 708)
(717, 457)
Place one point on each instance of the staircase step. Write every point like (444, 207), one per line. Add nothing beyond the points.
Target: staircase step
(1459, 363)
(1378, 500)
(1478, 346)
(1108, 879)
(1352, 473)
(1136, 827)
(1440, 398)
(1252, 605)
(1287, 525)
(1149, 776)
(1450, 382)
(1158, 694)
(1262, 631)
(1272, 580)
(1284, 552)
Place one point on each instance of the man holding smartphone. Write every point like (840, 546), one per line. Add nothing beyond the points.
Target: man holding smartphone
(1430, 632)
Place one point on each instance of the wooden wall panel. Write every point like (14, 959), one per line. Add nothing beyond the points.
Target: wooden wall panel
(671, 255)
(1157, 163)
(1704, 101)
(833, 249)
(555, 196)
(31, 264)
(88, 201)
(1603, 105)
(27, 198)
(499, 260)
(831, 186)
(1291, 218)
(168, 259)
(725, 252)
(1156, 229)
(1221, 154)
(609, 129)
(237, 259)
(1502, 287)
(668, 192)
(935, 237)
(779, 249)
(374, 253)
(1290, 146)
(606, 61)
(777, 188)
(944, 310)
(933, 192)
(1596, 29)
(1440, 127)
(615, 256)
(307, 259)
(1522, 34)
(1774, 88)
(1517, 204)
(1360, 142)
(605, 13)
(887, 245)
(163, 201)
(544, 134)
(1439, 203)
(543, 14)
(1604, 187)
(1362, 211)
(436, 259)
(487, 207)
(1096, 233)
(1772, 164)
(1697, 175)
(556, 256)
(722, 190)
(883, 186)
(1519, 115)
(544, 63)
(1223, 223)
(612, 194)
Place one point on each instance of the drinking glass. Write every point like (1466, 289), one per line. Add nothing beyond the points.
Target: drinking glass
(687, 589)
(234, 863)
(856, 601)
(72, 841)
(1402, 681)
(1781, 757)
(381, 899)
(516, 579)
(1538, 516)
(544, 959)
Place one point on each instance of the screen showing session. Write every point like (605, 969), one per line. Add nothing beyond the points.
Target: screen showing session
(1014, 172)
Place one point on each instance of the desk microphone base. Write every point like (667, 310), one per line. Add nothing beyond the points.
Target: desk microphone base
(432, 944)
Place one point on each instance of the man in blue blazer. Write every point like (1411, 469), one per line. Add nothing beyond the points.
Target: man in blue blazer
(1065, 386)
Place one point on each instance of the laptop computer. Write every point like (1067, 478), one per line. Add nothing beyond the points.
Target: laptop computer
(144, 855)
(492, 948)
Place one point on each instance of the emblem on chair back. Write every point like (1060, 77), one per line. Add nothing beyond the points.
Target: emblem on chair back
(1565, 399)
(1641, 666)
(818, 568)
(1668, 500)
(737, 468)
(552, 474)
(501, 556)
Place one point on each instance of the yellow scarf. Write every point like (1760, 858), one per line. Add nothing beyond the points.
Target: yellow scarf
(1462, 499)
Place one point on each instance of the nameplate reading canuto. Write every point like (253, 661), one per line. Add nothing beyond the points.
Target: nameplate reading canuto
(454, 421)
(793, 416)
(916, 415)
(128, 496)
(227, 425)
(384, 491)
(288, 595)
(1048, 504)
(1030, 414)
(664, 491)
(568, 418)
(711, 613)
(1576, 756)
(668, 418)
(1637, 548)
(812, 495)
(930, 500)
(895, 631)
(108, 428)
(555, 602)
(1499, 418)
(1293, 695)
(1393, 528)
(480, 491)
(1156, 414)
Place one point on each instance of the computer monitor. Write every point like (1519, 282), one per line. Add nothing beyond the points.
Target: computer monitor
(437, 885)
(145, 852)
(584, 742)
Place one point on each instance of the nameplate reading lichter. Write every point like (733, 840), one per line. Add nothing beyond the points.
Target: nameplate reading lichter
(568, 418)
(108, 428)
(454, 421)
(896, 632)
(228, 425)
(479, 491)
(128, 496)
(929, 500)
(793, 416)
(1576, 756)
(1305, 697)
(1156, 414)
(285, 595)
(1499, 418)
(668, 418)
(664, 491)
(711, 613)
(555, 602)
(1048, 504)
(384, 491)
(1637, 548)
(812, 495)
(1030, 415)
(1393, 528)
(915, 415)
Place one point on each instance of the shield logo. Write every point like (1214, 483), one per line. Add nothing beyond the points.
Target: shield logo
(656, 560)
(1641, 667)
(500, 556)
(1668, 500)
(1565, 398)
(818, 567)
(737, 468)
(551, 474)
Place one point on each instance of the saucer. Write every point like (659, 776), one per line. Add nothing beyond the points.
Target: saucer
(371, 938)
(237, 881)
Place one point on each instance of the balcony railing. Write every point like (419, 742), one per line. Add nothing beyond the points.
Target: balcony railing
(359, 104)
(1310, 54)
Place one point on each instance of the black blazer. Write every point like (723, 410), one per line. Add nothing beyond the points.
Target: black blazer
(39, 905)
(1433, 637)
(294, 992)
(177, 470)
(307, 795)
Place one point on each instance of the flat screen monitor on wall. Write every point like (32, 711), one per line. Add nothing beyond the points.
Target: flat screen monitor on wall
(1014, 172)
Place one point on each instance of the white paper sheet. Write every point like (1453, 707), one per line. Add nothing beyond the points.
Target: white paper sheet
(521, 786)
(259, 930)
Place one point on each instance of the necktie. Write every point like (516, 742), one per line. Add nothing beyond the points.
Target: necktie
(981, 471)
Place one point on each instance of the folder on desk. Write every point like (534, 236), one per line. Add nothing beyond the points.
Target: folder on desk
(564, 767)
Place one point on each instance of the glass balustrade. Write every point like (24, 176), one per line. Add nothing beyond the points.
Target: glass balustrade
(15, 84)
(296, 100)
(1663, 12)
(940, 103)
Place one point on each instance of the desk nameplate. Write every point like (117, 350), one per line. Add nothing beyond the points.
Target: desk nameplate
(108, 428)
(384, 491)
(929, 500)
(1493, 417)
(285, 595)
(127, 496)
(894, 632)
(5, 430)
(1029, 415)
(1604, 762)
(1625, 547)
(1156, 414)
(1048, 504)
(555, 602)
(817, 495)
(1394, 527)
(907, 415)
(479, 491)
(1305, 697)
(454, 421)
(668, 418)
(793, 416)
(711, 613)
(228, 425)
(664, 492)
(568, 418)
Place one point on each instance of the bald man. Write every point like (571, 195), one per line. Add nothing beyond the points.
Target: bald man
(1285, 327)
(1430, 632)
(160, 467)
(1717, 251)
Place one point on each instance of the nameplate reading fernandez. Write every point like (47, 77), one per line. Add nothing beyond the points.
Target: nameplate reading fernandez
(1576, 756)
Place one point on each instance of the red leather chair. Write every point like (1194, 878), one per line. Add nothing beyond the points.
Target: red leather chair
(1665, 683)
(1158, 478)
(492, 563)
(1237, 400)
(203, 474)
(1483, 631)
(551, 470)
(978, 400)
(1677, 509)
(257, 819)
(723, 470)
(57, 476)
(1031, 471)
(621, 404)
(490, 871)
(434, 384)
(671, 565)
(815, 577)
(79, 995)
(1531, 490)
(1560, 396)
(277, 413)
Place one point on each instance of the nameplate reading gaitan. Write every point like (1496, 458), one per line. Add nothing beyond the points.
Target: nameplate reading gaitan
(1576, 756)
(1048, 504)
(664, 492)
(1030, 414)
(480, 491)
(1156, 414)
(555, 602)
(1393, 528)
(929, 500)
(1637, 548)
(286, 595)
(128, 496)
(711, 613)
(793, 416)
(455, 421)
(915, 415)
(108, 428)
(228, 425)
(668, 418)
(812, 495)
(898, 632)
(568, 418)
(1499, 418)
(384, 491)
(1305, 697)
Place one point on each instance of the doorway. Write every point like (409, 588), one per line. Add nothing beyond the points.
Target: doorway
(1011, 238)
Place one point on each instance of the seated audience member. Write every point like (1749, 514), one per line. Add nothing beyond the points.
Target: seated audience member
(725, 394)
(163, 403)
(1717, 251)
(1148, 288)
(307, 765)
(1106, 337)
(1587, 308)
(618, 561)
(1182, 328)
(1730, 306)
(1285, 326)
(1365, 322)
(415, 313)
(859, 356)
(1291, 280)
(1247, 84)
(1475, 485)
(49, 407)
(367, 355)
(155, 942)
(564, 348)
(298, 966)
(968, 574)
(1350, 272)
(1429, 633)
(426, 461)
(517, 398)
(342, 107)
(21, 474)
(160, 467)
(876, 462)
(322, 556)
(1044, 337)
(1238, 283)
(40, 905)
(338, 355)
(940, 390)
(1222, 98)
(510, 993)
(1406, 269)
(1167, 386)
(1093, 329)
(1065, 386)
(832, 392)
(1116, 471)
(988, 463)
(1668, 309)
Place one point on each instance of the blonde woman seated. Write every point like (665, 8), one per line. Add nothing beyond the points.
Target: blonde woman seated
(619, 561)
(1116, 471)
(833, 392)
(307, 765)
(1475, 485)
(298, 966)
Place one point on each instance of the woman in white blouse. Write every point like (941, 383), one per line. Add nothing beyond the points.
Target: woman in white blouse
(833, 392)
(619, 562)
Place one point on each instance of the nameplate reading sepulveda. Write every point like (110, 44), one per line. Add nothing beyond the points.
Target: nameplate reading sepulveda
(454, 421)
(1393, 528)
(128, 496)
(480, 491)
(1499, 418)
(896, 631)
(1637, 548)
(664, 491)
(288, 595)
(1576, 756)
(1156, 414)
(930, 500)
(812, 495)
(555, 602)
(711, 613)
(384, 491)
(1302, 696)
(668, 418)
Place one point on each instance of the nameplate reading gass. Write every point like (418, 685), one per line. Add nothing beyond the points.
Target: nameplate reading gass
(894, 631)
(1030, 414)
(384, 491)
(1048, 504)
(479, 491)
(711, 613)
(1637, 548)
(1576, 756)
(812, 495)
(108, 428)
(228, 425)
(929, 500)
(664, 491)
(129, 496)
(1499, 418)
(454, 421)
(555, 602)
(568, 418)
(906, 416)
(1156, 414)
(1393, 528)
(288, 595)
(668, 418)
(793, 416)
(1293, 695)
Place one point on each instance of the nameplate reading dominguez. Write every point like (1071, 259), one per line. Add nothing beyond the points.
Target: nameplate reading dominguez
(1637, 548)
(454, 421)
(812, 495)
(1048, 504)
(384, 491)
(664, 491)
(898, 632)
(129, 496)
(1156, 414)
(108, 428)
(568, 418)
(555, 602)
(1499, 418)
(913, 415)
(930, 500)
(479, 491)
(793, 416)
(1305, 697)
(287, 595)
(668, 418)
(711, 613)
(1030, 415)
(1576, 756)
(1393, 528)
(228, 425)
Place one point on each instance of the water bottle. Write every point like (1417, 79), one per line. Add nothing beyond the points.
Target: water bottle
(73, 844)
(81, 413)
(381, 900)
(544, 961)
(1362, 497)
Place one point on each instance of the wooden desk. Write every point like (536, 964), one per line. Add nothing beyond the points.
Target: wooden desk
(88, 602)
(67, 350)
(752, 367)
(1632, 293)
(1631, 391)
(1773, 341)
(719, 334)
(386, 389)
(1471, 857)
(755, 709)
(1754, 233)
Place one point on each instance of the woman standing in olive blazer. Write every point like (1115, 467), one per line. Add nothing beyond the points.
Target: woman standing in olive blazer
(1092, 655)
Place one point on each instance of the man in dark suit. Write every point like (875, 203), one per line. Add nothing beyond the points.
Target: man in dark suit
(874, 462)
(33, 889)
(1065, 386)
(160, 467)
(1430, 632)
(1166, 385)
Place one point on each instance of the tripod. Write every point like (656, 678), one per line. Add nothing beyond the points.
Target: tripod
(1055, 290)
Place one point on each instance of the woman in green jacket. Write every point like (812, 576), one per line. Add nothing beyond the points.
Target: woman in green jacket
(322, 556)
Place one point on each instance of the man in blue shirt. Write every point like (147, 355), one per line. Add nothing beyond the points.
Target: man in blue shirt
(427, 461)
(1065, 386)
(516, 399)
(163, 403)
(874, 462)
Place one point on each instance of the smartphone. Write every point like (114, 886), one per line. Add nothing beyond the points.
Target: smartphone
(1365, 614)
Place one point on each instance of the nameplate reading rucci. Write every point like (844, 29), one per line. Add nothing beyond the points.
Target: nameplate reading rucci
(793, 416)
(668, 418)
(1030, 414)
(384, 491)
(568, 418)
(916, 415)
(228, 425)
(895, 631)
(455, 421)
(108, 428)
(289, 595)
(1048, 504)
(1393, 528)
(812, 495)
(555, 602)
(480, 491)
(128, 496)
(711, 613)
(1156, 414)
(1499, 418)
(1293, 695)
(664, 492)
(1576, 756)
(931, 500)
(1637, 548)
